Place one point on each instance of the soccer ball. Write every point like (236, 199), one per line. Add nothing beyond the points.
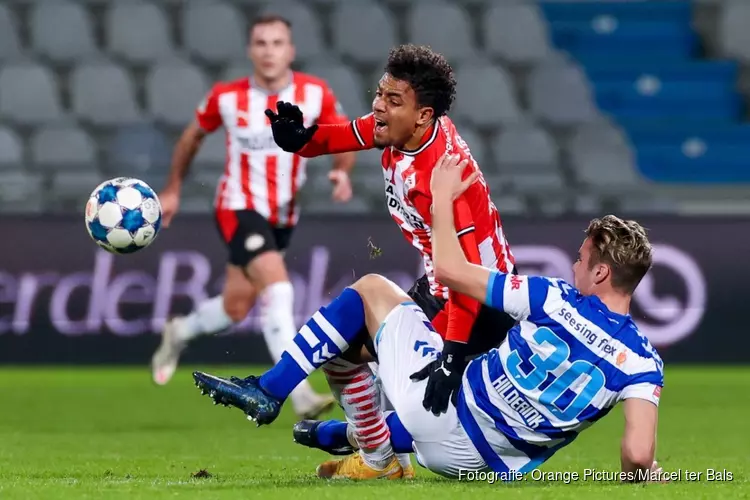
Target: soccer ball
(123, 215)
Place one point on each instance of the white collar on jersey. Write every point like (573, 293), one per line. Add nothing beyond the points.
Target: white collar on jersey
(254, 85)
(427, 143)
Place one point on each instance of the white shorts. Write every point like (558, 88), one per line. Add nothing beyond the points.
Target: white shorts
(406, 343)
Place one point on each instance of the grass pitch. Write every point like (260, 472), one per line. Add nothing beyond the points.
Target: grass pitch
(110, 433)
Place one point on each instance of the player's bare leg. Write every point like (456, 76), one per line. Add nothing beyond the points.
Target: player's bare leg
(268, 271)
(326, 336)
(210, 317)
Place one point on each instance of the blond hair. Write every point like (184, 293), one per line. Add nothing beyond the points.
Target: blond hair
(624, 246)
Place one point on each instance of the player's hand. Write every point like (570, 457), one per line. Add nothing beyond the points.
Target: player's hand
(288, 127)
(342, 186)
(170, 203)
(447, 182)
(444, 377)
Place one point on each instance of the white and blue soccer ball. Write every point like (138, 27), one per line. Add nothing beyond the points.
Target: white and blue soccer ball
(123, 215)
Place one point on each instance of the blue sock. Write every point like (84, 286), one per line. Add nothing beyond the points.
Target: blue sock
(332, 433)
(325, 336)
(401, 440)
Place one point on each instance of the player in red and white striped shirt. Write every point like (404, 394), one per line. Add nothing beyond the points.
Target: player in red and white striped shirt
(256, 199)
(409, 123)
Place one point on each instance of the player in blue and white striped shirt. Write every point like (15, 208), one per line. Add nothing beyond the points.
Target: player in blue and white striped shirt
(574, 354)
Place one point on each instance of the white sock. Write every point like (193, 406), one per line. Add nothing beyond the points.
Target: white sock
(359, 395)
(403, 458)
(277, 323)
(208, 318)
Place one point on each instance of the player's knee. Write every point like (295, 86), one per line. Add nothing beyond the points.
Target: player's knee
(237, 308)
(368, 282)
(375, 285)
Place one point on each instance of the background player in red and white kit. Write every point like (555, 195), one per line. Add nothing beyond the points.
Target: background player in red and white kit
(256, 207)
(409, 123)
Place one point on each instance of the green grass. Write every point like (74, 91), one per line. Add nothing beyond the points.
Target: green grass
(110, 433)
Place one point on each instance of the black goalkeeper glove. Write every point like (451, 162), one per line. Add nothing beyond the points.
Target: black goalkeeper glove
(288, 127)
(445, 374)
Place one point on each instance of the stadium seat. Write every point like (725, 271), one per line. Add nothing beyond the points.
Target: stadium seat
(200, 186)
(443, 26)
(69, 190)
(345, 83)
(526, 158)
(649, 96)
(560, 94)
(135, 149)
(10, 40)
(173, 90)
(485, 95)
(212, 154)
(138, 32)
(236, 70)
(367, 183)
(11, 149)
(405, 3)
(306, 28)
(104, 94)
(364, 32)
(649, 203)
(62, 31)
(476, 143)
(673, 89)
(734, 38)
(694, 160)
(587, 204)
(22, 192)
(587, 10)
(29, 94)
(524, 147)
(63, 147)
(508, 204)
(516, 33)
(213, 31)
(607, 170)
(600, 134)
(614, 29)
(196, 204)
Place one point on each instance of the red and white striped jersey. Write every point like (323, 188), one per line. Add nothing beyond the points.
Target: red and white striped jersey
(259, 175)
(407, 185)
(409, 199)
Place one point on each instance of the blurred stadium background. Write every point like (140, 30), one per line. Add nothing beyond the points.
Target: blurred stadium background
(572, 108)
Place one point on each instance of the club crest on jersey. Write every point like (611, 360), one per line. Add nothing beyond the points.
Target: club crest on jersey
(410, 182)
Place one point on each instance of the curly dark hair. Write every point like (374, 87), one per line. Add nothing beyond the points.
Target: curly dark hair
(427, 72)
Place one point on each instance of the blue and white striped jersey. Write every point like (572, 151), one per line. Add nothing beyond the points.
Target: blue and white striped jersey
(562, 368)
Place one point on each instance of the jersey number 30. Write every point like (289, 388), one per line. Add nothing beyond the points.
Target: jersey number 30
(563, 382)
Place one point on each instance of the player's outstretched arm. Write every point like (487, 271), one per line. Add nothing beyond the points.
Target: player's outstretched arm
(451, 266)
(639, 439)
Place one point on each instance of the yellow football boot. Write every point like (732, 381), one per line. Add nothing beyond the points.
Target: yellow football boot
(354, 467)
(409, 472)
